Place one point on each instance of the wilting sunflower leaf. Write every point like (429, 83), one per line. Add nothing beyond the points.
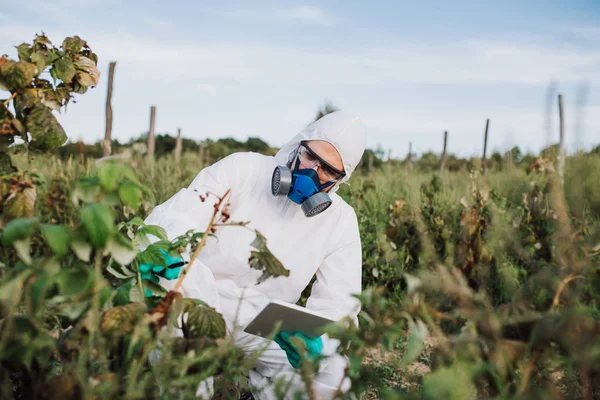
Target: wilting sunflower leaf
(263, 260)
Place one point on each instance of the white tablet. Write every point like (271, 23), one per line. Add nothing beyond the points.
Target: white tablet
(293, 318)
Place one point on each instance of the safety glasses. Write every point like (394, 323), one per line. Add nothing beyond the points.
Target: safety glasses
(310, 159)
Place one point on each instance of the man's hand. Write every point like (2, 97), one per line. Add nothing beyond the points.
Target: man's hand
(152, 272)
(313, 347)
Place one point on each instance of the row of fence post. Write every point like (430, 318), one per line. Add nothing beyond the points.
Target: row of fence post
(178, 143)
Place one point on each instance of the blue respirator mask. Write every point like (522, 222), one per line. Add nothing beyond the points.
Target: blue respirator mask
(302, 186)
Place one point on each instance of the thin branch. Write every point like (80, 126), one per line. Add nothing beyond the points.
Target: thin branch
(561, 287)
(211, 225)
(12, 96)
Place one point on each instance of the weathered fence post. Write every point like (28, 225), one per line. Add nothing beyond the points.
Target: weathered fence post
(483, 160)
(151, 142)
(561, 145)
(370, 163)
(409, 158)
(108, 132)
(443, 161)
(389, 162)
(178, 146)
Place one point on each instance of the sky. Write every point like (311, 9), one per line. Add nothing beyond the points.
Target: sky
(410, 70)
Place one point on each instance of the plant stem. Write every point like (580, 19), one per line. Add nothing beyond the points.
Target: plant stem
(208, 229)
(140, 284)
(12, 96)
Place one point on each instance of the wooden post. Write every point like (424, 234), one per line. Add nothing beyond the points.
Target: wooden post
(178, 146)
(370, 163)
(389, 162)
(561, 145)
(443, 161)
(151, 142)
(201, 155)
(483, 160)
(207, 156)
(409, 158)
(108, 130)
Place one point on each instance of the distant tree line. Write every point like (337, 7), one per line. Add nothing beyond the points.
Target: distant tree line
(218, 149)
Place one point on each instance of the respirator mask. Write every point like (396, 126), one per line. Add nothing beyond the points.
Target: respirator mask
(302, 185)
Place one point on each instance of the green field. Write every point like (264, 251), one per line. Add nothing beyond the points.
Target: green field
(474, 286)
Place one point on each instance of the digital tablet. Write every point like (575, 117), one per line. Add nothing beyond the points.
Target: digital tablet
(293, 318)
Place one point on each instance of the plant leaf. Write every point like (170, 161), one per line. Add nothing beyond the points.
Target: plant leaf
(82, 249)
(152, 255)
(58, 238)
(202, 321)
(121, 249)
(98, 221)
(20, 204)
(263, 260)
(64, 69)
(19, 229)
(45, 130)
(130, 194)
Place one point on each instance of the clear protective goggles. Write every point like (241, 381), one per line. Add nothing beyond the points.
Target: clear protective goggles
(309, 159)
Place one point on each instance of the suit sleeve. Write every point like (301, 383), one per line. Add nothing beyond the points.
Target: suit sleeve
(340, 277)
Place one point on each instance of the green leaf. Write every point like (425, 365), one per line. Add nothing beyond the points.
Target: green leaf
(23, 248)
(74, 281)
(39, 58)
(119, 271)
(109, 176)
(24, 51)
(123, 295)
(45, 130)
(263, 260)
(417, 333)
(81, 248)
(121, 249)
(452, 383)
(64, 69)
(152, 255)
(154, 288)
(37, 291)
(98, 221)
(130, 194)
(58, 238)
(87, 190)
(154, 230)
(73, 44)
(19, 229)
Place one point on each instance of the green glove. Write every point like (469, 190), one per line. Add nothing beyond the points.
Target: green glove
(151, 272)
(314, 347)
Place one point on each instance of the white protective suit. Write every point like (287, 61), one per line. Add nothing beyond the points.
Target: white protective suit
(327, 245)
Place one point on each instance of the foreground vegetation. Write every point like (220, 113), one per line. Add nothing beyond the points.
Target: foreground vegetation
(484, 287)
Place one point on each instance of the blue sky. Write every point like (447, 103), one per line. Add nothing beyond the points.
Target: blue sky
(261, 68)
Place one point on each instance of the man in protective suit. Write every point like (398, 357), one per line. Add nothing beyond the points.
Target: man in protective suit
(291, 200)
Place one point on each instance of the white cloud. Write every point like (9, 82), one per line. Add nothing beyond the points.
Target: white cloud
(300, 14)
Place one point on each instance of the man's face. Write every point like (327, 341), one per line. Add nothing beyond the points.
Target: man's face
(328, 153)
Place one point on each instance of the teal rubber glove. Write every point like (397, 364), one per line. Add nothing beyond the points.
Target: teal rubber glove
(314, 347)
(152, 272)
